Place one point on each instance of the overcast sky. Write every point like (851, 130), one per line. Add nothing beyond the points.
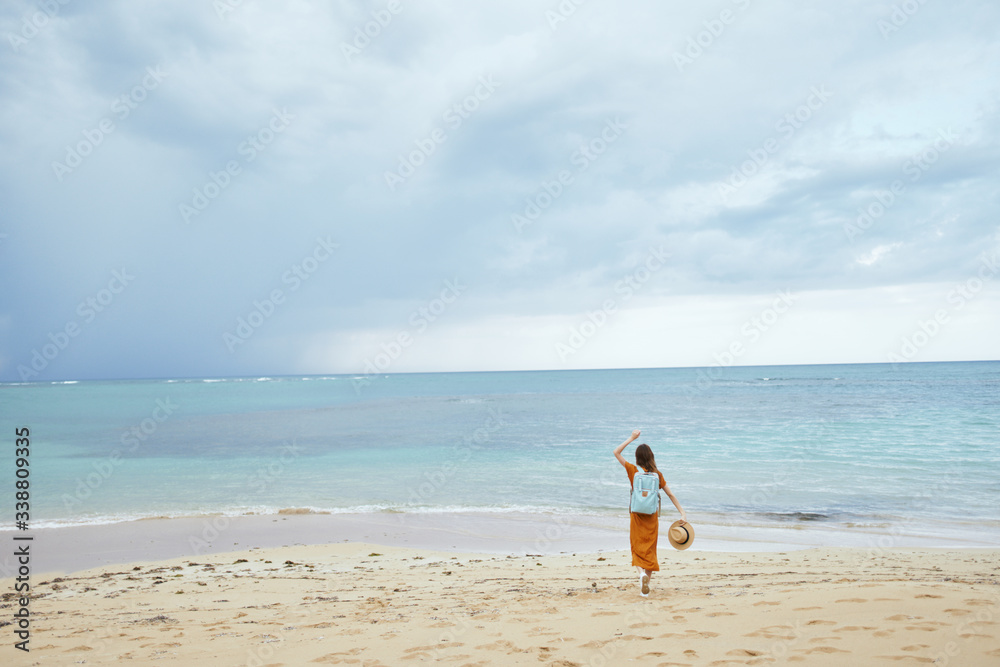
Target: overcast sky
(263, 188)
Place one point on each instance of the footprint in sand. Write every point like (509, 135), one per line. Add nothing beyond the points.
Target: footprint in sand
(605, 613)
(821, 622)
(414, 649)
(690, 634)
(745, 653)
(824, 649)
(785, 632)
(927, 595)
(926, 626)
(502, 644)
(806, 608)
(905, 657)
(916, 647)
(853, 600)
(767, 602)
(337, 658)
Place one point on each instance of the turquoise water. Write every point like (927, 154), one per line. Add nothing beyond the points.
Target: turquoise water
(852, 445)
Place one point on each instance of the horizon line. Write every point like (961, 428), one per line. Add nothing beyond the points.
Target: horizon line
(525, 370)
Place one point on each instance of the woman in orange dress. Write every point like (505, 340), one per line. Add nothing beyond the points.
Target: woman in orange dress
(644, 528)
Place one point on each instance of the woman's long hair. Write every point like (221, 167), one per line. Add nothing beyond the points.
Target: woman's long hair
(644, 458)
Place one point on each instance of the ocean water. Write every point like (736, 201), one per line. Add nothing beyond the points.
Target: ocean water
(875, 447)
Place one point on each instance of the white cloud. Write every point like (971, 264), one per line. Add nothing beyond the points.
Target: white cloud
(877, 253)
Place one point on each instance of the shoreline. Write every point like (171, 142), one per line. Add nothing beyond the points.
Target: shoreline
(360, 602)
(74, 548)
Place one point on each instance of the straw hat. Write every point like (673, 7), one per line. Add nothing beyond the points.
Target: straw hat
(680, 536)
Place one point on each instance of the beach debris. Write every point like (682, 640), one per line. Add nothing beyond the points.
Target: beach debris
(374, 554)
(240, 560)
(156, 619)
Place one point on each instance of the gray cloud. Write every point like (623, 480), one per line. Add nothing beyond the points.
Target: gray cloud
(659, 183)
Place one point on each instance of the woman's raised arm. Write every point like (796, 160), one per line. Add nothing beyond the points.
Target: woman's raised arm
(620, 448)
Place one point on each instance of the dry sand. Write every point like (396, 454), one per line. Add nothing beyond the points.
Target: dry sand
(362, 604)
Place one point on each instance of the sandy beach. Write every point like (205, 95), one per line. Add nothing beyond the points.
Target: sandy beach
(369, 604)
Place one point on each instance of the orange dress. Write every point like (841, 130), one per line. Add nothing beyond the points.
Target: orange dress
(644, 529)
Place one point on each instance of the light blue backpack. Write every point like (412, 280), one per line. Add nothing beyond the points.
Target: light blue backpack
(645, 493)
